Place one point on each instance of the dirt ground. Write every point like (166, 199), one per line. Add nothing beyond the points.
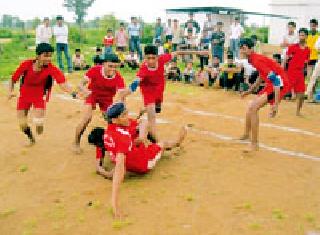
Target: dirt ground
(209, 186)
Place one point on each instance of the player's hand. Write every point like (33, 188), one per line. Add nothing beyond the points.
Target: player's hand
(273, 111)
(139, 141)
(11, 95)
(86, 93)
(244, 94)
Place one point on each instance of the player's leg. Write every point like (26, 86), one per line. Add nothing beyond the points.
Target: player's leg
(247, 125)
(151, 115)
(313, 79)
(38, 119)
(86, 119)
(22, 116)
(256, 105)
(167, 145)
(300, 100)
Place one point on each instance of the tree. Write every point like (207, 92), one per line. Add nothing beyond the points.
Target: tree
(79, 7)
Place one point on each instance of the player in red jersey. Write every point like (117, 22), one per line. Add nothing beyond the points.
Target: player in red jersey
(37, 77)
(276, 87)
(298, 57)
(99, 86)
(150, 78)
(124, 141)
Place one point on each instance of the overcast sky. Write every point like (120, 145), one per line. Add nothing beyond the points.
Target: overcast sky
(147, 9)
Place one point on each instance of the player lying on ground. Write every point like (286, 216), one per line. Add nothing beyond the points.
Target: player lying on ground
(276, 86)
(99, 86)
(35, 86)
(150, 78)
(127, 148)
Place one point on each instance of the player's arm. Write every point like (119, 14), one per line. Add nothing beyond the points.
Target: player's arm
(118, 176)
(122, 94)
(15, 77)
(82, 87)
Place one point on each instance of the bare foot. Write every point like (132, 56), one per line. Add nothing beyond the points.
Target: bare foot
(76, 149)
(182, 135)
(30, 143)
(244, 137)
(253, 147)
(298, 114)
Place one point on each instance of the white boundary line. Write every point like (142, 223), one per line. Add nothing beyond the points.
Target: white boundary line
(270, 125)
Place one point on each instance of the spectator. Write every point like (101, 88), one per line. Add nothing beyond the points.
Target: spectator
(177, 33)
(191, 23)
(236, 33)
(201, 78)
(44, 32)
(217, 42)
(134, 30)
(209, 25)
(132, 61)
(315, 75)
(213, 70)
(168, 31)
(98, 58)
(173, 72)
(204, 46)
(189, 73)
(158, 31)
(159, 46)
(311, 43)
(121, 39)
(230, 73)
(257, 43)
(60, 31)
(168, 46)
(290, 38)
(108, 42)
(78, 61)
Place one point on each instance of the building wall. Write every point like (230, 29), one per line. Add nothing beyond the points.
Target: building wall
(300, 10)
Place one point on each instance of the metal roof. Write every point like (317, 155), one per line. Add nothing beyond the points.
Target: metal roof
(222, 11)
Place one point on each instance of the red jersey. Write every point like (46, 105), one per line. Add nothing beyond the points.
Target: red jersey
(108, 41)
(101, 86)
(119, 139)
(33, 84)
(265, 65)
(298, 56)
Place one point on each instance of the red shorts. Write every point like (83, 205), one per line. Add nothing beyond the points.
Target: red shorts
(137, 159)
(26, 103)
(152, 96)
(269, 91)
(297, 81)
(103, 103)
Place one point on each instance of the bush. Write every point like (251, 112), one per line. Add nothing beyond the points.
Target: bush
(5, 33)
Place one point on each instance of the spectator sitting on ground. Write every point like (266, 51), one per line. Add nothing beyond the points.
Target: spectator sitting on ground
(230, 73)
(213, 70)
(201, 78)
(168, 46)
(257, 44)
(204, 46)
(98, 58)
(78, 61)
(132, 60)
(173, 72)
(189, 73)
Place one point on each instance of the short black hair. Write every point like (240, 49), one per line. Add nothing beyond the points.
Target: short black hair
(292, 23)
(150, 50)
(121, 24)
(43, 48)
(98, 49)
(219, 23)
(254, 37)
(230, 55)
(246, 42)
(111, 58)
(59, 17)
(304, 30)
(96, 137)
(77, 50)
(313, 21)
(109, 30)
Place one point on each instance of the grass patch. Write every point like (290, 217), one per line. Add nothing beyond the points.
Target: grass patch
(4, 214)
(119, 224)
(278, 214)
(23, 168)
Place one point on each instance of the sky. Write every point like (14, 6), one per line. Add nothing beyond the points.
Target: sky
(149, 10)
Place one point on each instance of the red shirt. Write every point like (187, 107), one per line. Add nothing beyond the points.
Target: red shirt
(153, 77)
(108, 41)
(102, 86)
(33, 85)
(299, 56)
(265, 65)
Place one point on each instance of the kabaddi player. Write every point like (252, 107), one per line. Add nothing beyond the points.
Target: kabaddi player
(276, 86)
(127, 148)
(150, 78)
(99, 86)
(298, 57)
(37, 77)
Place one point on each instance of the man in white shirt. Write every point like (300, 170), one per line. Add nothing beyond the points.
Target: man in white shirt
(134, 30)
(43, 32)
(209, 25)
(290, 38)
(236, 32)
(60, 31)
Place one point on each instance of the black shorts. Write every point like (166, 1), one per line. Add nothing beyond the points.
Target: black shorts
(312, 62)
(123, 49)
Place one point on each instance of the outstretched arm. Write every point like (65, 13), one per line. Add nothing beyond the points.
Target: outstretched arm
(252, 88)
(118, 176)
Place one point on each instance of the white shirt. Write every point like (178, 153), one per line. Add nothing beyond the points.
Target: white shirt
(248, 68)
(290, 39)
(43, 34)
(61, 34)
(168, 31)
(236, 31)
(134, 30)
